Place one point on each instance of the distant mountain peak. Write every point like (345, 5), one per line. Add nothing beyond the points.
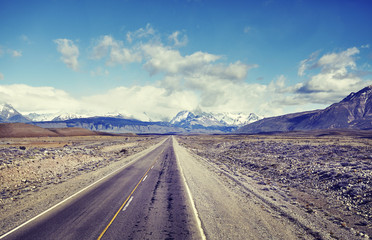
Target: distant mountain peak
(9, 114)
(66, 116)
(189, 119)
(367, 91)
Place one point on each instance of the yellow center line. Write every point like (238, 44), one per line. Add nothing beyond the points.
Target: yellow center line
(125, 202)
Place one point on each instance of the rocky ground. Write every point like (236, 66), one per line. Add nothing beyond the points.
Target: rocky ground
(38, 172)
(327, 176)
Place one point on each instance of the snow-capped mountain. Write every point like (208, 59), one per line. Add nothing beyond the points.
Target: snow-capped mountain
(39, 117)
(199, 118)
(9, 114)
(236, 119)
(114, 115)
(195, 121)
(43, 117)
(187, 118)
(67, 116)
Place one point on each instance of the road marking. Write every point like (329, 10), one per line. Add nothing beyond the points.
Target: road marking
(132, 158)
(125, 208)
(63, 201)
(125, 202)
(196, 215)
(152, 167)
(144, 178)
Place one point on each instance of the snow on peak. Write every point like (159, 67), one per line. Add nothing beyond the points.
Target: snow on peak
(237, 119)
(199, 117)
(9, 114)
(7, 111)
(61, 116)
(181, 116)
(67, 116)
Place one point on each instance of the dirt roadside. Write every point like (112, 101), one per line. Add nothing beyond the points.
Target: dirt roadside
(231, 205)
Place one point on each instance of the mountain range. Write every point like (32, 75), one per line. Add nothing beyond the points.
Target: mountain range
(353, 112)
(184, 122)
(224, 122)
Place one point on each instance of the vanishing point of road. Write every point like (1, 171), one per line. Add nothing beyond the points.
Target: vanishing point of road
(144, 200)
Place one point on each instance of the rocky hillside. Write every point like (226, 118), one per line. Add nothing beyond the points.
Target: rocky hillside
(353, 112)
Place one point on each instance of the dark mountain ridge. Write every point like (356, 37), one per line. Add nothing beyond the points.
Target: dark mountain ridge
(353, 112)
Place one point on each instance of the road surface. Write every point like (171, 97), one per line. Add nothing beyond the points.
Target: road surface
(145, 200)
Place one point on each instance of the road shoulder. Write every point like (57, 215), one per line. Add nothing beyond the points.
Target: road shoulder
(228, 213)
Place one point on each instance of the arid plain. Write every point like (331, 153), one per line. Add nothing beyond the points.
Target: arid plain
(38, 172)
(325, 176)
(294, 186)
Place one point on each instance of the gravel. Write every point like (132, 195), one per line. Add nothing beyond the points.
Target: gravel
(332, 175)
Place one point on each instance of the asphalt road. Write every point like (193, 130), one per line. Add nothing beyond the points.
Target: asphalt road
(145, 200)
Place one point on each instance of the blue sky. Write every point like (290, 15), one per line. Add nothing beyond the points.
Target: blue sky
(160, 57)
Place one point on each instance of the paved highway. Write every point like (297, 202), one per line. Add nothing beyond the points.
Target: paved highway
(145, 200)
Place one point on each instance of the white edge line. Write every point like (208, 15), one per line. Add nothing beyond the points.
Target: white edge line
(63, 201)
(126, 205)
(144, 178)
(196, 215)
(82, 190)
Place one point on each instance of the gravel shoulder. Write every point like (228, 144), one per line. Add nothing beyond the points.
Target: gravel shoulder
(236, 202)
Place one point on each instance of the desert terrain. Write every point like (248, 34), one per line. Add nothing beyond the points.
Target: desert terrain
(282, 186)
(38, 172)
(319, 181)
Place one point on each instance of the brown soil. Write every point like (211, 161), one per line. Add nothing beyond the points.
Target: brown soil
(14, 130)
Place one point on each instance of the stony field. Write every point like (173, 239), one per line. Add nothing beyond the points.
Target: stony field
(328, 174)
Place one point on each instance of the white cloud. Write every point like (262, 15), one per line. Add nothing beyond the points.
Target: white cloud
(16, 53)
(148, 31)
(102, 48)
(365, 46)
(107, 46)
(338, 61)
(37, 99)
(13, 53)
(198, 72)
(307, 63)
(165, 59)
(136, 100)
(177, 40)
(69, 51)
(99, 71)
(1, 76)
(336, 79)
(198, 79)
